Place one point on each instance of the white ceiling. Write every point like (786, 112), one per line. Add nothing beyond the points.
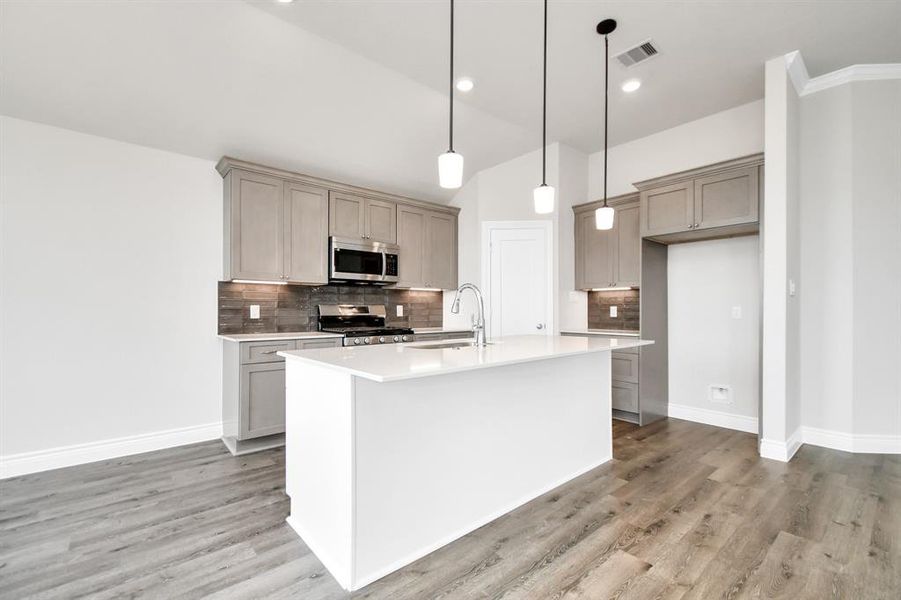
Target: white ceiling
(712, 53)
(355, 90)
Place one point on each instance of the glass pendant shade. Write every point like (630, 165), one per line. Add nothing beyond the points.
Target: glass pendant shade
(543, 196)
(450, 170)
(603, 218)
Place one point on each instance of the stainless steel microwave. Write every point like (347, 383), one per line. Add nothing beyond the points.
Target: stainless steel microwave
(360, 261)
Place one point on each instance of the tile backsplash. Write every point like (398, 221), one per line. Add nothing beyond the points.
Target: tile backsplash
(627, 306)
(295, 307)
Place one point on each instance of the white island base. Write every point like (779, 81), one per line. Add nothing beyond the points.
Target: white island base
(385, 466)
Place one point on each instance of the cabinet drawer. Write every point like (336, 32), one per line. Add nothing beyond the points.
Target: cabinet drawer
(263, 352)
(324, 343)
(625, 396)
(624, 367)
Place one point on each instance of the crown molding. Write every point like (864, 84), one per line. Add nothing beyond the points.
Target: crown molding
(227, 163)
(751, 160)
(804, 84)
(615, 201)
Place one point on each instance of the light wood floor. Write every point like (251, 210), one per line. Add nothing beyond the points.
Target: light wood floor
(684, 511)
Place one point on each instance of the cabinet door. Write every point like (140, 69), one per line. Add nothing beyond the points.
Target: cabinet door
(262, 400)
(256, 240)
(628, 246)
(624, 396)
(381, 221)
(729, 198)
(346, 215)
(667, 209)
(411, 237)
(324, 343)
(595, 254)
(306, 233)
(440, 261)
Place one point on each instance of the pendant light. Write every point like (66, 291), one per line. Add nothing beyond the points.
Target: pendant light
(450, 164)
(603, 217)
(543, 195)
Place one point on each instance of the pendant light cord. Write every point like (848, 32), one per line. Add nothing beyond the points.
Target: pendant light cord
(450, 142)
(606, 93)
(544, 104)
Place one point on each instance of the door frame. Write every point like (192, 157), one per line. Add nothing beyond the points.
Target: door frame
(487, 228)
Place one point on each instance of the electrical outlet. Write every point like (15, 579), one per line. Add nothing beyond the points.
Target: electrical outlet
(254, 311)
(736, 312)
(792, 290)
(721, 394)
(400, 310)
(613, 311)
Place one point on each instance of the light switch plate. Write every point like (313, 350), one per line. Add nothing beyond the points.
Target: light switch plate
(254, 311)
(613, 311)
(400, 310)
(791, 287)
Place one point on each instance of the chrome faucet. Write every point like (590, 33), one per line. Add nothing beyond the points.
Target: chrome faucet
(478, 328)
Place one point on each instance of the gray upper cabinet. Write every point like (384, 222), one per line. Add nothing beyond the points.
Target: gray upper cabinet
(306, 233)
(667, 209)
(608, 258)
(411, 225)
(441, 251)
(346, 215)
(358, 217)
(719, 200)
(276, 230)
(381, 221)
(255, 222)
(594, 253)
(726, 198)
(428, 248)
(628, 246)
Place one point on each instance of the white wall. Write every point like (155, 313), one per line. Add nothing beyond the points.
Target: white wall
(721, 136)
(851, 259)
(707, 345)
(110, 257)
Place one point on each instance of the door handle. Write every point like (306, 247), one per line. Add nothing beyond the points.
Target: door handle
(539, 326)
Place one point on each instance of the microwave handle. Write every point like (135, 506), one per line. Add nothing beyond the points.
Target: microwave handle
(384, 263)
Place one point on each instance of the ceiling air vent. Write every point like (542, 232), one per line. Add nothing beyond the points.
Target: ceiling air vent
(639, 53)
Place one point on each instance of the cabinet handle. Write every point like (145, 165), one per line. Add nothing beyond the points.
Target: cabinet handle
(696, 225)
(268, 351)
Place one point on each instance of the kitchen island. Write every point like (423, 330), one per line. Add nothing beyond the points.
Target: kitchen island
(394, 451)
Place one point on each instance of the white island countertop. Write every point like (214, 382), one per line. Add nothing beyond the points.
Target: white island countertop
(396, 362)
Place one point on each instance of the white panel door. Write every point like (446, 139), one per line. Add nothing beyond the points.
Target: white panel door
(518, 280)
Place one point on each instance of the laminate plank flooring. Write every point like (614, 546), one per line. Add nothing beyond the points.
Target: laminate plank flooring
(684, 511)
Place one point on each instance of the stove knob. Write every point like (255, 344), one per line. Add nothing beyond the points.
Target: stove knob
(357, 342)
(381, 340)
(367, 341)
(396, 339)
(405, 338)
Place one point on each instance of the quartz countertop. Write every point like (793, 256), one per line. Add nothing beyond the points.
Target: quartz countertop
(395, 362)
(270, 337)
(604, 332)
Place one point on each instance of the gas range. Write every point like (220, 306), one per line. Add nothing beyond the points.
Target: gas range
(361, 325)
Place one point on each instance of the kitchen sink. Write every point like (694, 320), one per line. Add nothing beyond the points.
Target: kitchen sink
(448, 345)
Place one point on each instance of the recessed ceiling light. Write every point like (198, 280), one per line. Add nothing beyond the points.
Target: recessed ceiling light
(465, 84)
(631, 85)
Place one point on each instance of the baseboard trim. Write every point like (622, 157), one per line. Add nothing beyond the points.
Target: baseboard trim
(862, 443)
(24, 463)
(781, 451)
(713, 417)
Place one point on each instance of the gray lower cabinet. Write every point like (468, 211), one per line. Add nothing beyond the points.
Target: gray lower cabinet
(438, 336)
(253, 391)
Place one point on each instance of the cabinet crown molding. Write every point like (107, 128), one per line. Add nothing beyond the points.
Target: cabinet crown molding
(622, 199)
(750, 160)
(227, 163)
